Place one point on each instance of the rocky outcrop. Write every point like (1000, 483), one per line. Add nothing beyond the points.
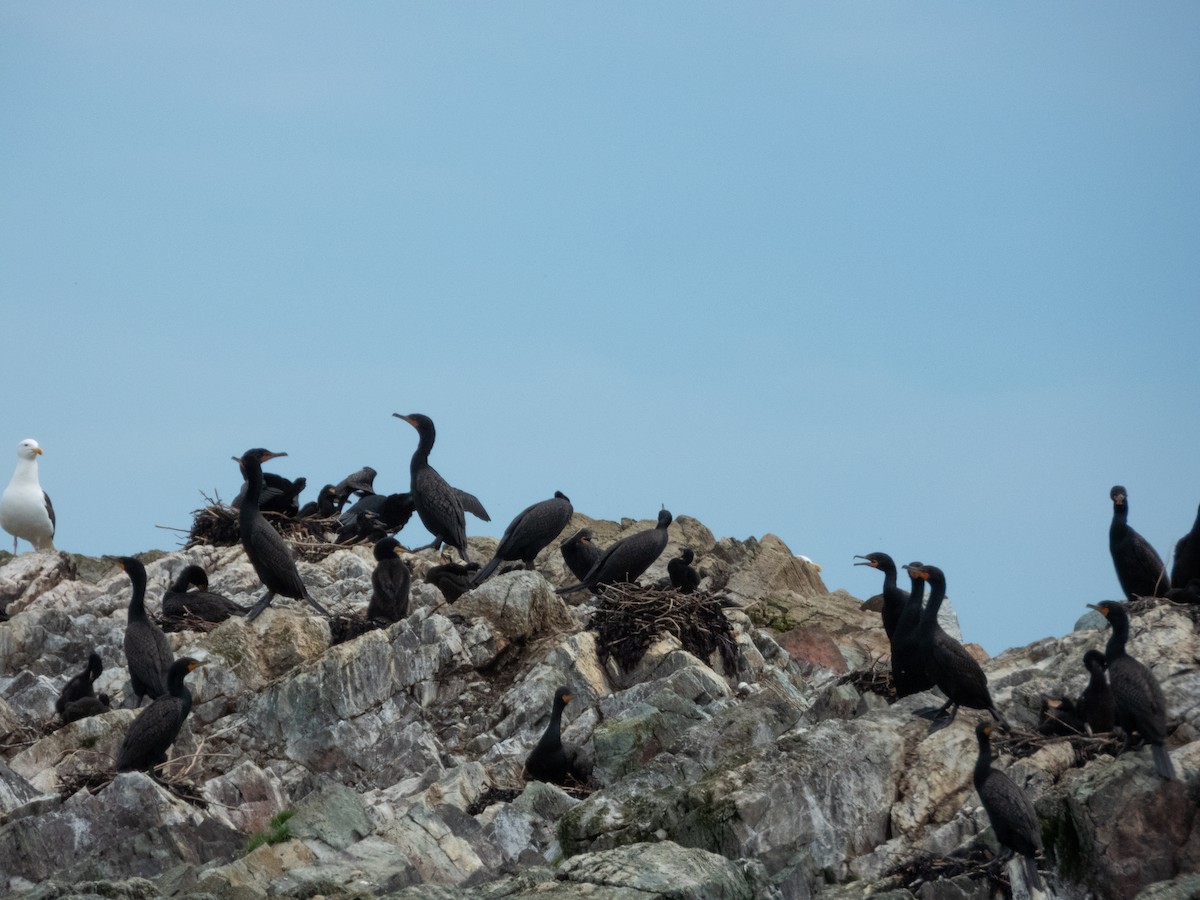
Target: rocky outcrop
(391, 764)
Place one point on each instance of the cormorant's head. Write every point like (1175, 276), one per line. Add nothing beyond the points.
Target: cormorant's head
(559, 495)
(28, 449)
(983, 731)
(877, 561)
(664, 518)
(387, 547)
(257, 455)
(95, 666)
(687, 554)
(1110, 609)
(416, 420)
(1118, 495)
(563, 696)
(1094, 660)
(197, 577)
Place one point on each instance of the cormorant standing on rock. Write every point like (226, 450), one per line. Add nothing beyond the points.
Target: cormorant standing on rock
(627, 559)
(1139, 569)
(548, 761)
(1140, 705)
(894, 597)
(580, 552)
(154, 730)
(179, 602)
(266, 549)
(684, 578)
(1007, 807)
(80, 686)
(947, 661)
(389, 583)
(1186, 567)
(25, 509)
(530, 532)
(147, 650)
(910, 675)
(439, 505)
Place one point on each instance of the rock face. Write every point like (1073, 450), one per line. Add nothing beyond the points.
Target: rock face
(391, 764)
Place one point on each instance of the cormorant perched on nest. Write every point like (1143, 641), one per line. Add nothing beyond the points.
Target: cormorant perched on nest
(80, 685)
(1007, 807)
(179, 602)
(85, 707)
(1139, 569)
(147, 650)
(266, 549)
(683, 577)
(389, 583)
(439, 505)
(580, 552)
(530, 532)
(910, 675)
(154, 730)
(361, 482)
(451, 578)
(324, 507)
(627, 559)
(1186, 567)
(279, 495)
(548, 761)
(1140, 705)
(25, 509)
(949, 664)
(375, 516)
(894, 597)
(1094, 711)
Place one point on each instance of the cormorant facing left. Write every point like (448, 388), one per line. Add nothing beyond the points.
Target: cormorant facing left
(548, 761)
(147, 650)
(949, 664)
(530, 532)
(80, 686)
(1007, 807)
(1139, 700)
(1139, 569)
(894, 597)
(439, 505)
(154, 730)
(266, 549)
(179, 602)
(1187, 557)
(389, 583)
(627, 559)
(684, 578)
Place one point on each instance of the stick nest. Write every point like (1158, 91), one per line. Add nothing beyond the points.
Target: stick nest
(877, 679)
(975, 862)
(630, 618)
(217, 525)
(1020, 744)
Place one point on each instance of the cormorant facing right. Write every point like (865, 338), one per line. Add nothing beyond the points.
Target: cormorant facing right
(1139, 700)
(627, 559)
(1007, 807)
(548, 761)
(894, 597)
(80, 686)
(451, 578)
(389, 583)
(683, 577)
(179, 602)
(154, 730)
(266, 549)
(580, 553)
(1096, 705)
(530, 532)
(949, 664)
(1187, 557)
(1139, 569)
(439, 505)
(147, 650)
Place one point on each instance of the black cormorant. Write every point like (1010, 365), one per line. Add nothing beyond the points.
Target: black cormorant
(1186, 566)
(179, 602)
(147, 650)
(389, 583)
(894, 597)
(1096, 705)
(80, 685)
(947, 661)
(266, 549)
(532, 530)
(910, 675)
(580, 552)
(451, 578)
(1008, 809)
(548, 761)
(324, 507)
(439, 505)
(1140, 705)
(375, 516)
(684, 578)
(361, 482)
(153, 732)
(1139, 569)
(278, 495)
(85, 707)
(626, 560)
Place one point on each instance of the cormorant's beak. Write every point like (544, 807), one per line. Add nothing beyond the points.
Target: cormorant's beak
(1099, 609)
(193, 666)
(270, 455)
(869, 562)
(405, 418)
(567, 698)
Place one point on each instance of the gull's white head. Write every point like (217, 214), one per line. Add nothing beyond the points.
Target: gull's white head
(28, 449)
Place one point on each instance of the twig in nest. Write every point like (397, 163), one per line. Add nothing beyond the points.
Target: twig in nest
(877, 679)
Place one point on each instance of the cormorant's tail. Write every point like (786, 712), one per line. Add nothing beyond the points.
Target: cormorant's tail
(487, 570)
(1162, 761)
(1031, 873)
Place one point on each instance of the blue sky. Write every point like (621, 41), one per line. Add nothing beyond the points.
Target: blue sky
(919, 279)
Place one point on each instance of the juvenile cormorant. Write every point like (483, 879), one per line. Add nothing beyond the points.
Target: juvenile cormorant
(532, 530)
(80, 685)
(85, 707)
(947, 661)
(279, 494)
(389, 583)
(390, 512)
(361, 482)
(179, 602)
(1140, 705)
(894, 597)
(451, 578)
(627, 559)
(153, 732)
(548, 761)
(1139, 569)
(439, 505)
(266, 549)
(909, 672)
(684, 578)
(1186, 566)
(580, 552)
(1096, 705)
(147, 651)
(25, 509)
(324, 507)
(1007, 807)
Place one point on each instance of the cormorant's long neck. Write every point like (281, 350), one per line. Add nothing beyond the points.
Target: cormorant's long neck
(983, 763)
(182, 583)
(937, 593)
(1118, 638)
(911, 616)
(1120, 519)
(889, 579)
(1097, 684)
(420, 457)
(137, 604)
(553, 735)
(254, 484)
